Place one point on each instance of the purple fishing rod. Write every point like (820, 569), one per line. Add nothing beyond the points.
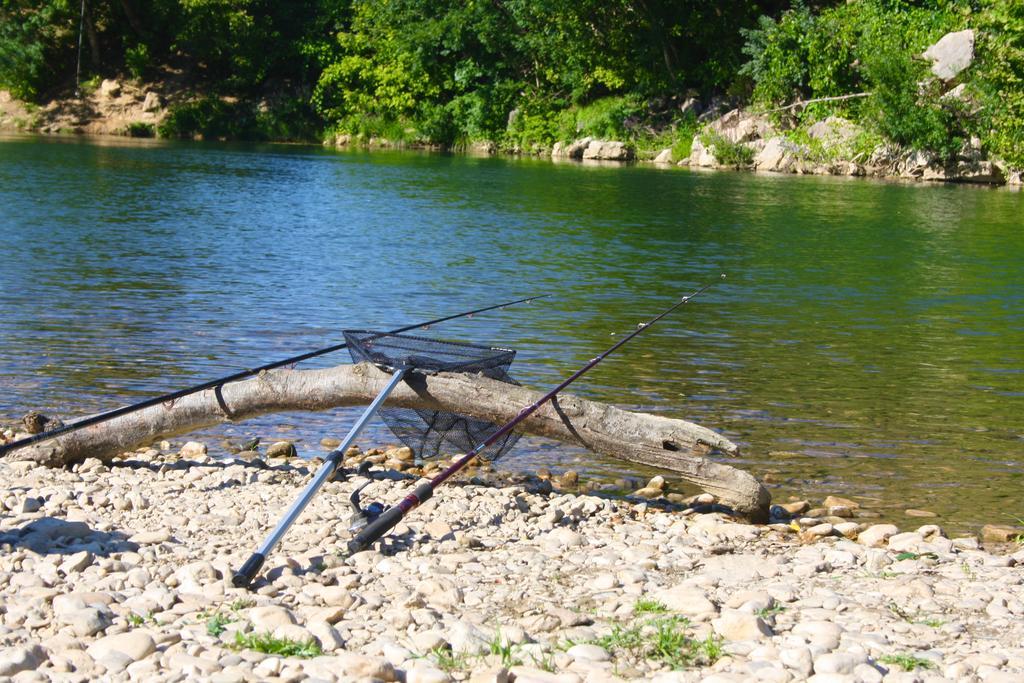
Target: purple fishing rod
(389, 519)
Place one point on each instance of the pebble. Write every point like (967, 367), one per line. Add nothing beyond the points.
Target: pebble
(129, 569)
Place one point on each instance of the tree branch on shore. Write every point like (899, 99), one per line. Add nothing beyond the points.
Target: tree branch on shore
(641, 438)
(804, 103)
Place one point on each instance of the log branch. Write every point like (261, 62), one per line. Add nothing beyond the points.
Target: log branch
(641, 438)
(804, 103)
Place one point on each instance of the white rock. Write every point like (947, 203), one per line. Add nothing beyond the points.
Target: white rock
(21, 658)
(87, 621)
(270, 617)
(151, 537)
(426, 641)
(686, 599)
(953, 53)
(192, 449)
(799, 659)
(587, 652)
(135, 644)
(838, 663)
(466, 638)
(825, 634)
(735, 625)
(877, 534)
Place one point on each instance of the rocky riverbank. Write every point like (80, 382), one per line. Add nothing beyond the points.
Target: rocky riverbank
(112, 107)
(122, 572)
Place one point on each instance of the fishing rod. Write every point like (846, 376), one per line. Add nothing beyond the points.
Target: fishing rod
(175, 395)
(379, 524)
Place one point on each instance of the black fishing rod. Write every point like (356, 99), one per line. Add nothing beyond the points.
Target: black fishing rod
(381, 524)
(213, 383)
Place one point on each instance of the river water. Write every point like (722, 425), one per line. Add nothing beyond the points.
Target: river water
(868, 341)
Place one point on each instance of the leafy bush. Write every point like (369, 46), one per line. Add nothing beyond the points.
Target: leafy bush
(141, 130)
(609, 118)
(137, 59)
(867, 46)
(778, 56)
(1000, 78)
(728, 153)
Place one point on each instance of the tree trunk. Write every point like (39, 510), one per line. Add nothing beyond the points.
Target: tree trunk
(94, 41)
(641, 438)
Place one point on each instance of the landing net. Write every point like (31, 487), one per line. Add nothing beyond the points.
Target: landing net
(431, 433)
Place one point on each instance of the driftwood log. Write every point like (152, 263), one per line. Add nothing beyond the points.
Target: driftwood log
(653, 440)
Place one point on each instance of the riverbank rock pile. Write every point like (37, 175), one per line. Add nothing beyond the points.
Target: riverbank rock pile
(113, 107)
(123, 572)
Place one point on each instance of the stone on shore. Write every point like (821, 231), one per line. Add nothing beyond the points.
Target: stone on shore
(553, 587)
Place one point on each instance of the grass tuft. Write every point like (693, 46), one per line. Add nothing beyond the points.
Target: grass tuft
(662, 639)
(907, 662)
(648, 606)
(285, 647)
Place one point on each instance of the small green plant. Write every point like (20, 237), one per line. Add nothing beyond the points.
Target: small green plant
(766, 612)
(907, 662)
(914, 618)
(268, 644)
(90, 85)
(449, 661)
(240, 604)
(728, 153)
(503, 648)
(216, 624)
(648, 606)
(546, 662)
(135, 620)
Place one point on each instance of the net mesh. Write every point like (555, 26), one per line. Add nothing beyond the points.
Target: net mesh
(431, 433)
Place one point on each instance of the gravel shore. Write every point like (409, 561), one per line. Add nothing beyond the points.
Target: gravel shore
(123, 572)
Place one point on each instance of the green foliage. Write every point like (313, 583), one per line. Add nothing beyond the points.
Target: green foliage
(218, 118)
(662, 639)
(778, 56)
(449, 661)
(728, 153)
(35, 40)
(867, 46)
(216, 624)
(610, 118)
(1000, 78)
(285, 647)
(649, 606)
(138, 129)
(137, 60)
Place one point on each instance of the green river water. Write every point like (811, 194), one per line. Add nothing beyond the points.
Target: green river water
(868, 341)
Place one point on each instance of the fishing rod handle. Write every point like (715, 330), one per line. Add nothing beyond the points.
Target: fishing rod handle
(390, 518)
(248, 571)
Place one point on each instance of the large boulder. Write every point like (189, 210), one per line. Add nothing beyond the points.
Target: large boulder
(109, 88)
(985, 172)
(834, 132)
(609, 150)
(741, 126)
(953, 53)
(779, 155)
(574, 150)
(701, 155)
